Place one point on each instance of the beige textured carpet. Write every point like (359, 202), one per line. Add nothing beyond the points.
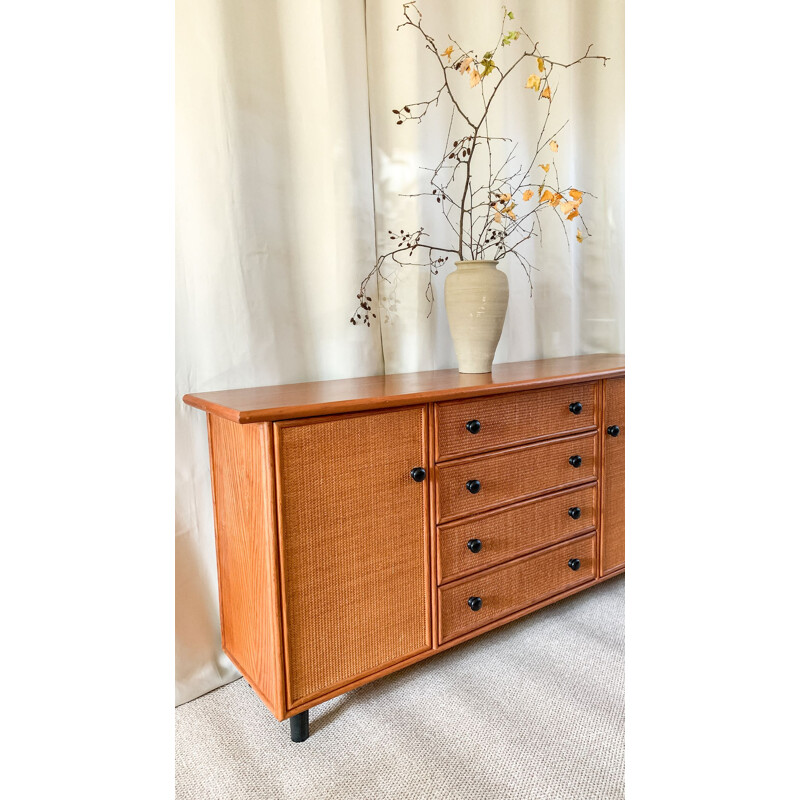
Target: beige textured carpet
(531, 710)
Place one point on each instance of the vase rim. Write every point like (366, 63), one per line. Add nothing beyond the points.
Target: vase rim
(477, 261)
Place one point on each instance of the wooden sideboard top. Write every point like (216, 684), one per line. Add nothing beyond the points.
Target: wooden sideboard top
(264, 403)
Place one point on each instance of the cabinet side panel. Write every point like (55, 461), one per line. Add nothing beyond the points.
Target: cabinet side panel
(354, 533)
(612, 531)
(247, 555)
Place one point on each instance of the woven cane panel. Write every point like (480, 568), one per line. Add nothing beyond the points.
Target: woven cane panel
(511, 419)
(612, 536)
(515, 586)
(355, 547)
(514, 474)
(514, 531)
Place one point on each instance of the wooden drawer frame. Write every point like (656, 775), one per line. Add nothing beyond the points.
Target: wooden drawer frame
(246, 485)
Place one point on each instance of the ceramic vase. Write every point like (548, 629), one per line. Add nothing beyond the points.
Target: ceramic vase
(476, 299)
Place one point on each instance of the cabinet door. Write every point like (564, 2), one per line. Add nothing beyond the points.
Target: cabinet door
(612, 507)
(354, 541)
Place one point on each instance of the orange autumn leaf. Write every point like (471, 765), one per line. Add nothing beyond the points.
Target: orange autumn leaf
(556, 200)
(579, 235)
(497, 217)
(554, 146)
(474, 78)
(545, 167)
(576, 195)
(510, 211)
(534, 81)
(527, 194)
(465, 64)
(541, 64)
(546, 93)
(448, 52)
(573, 214)
(504, 198)
(547, 197)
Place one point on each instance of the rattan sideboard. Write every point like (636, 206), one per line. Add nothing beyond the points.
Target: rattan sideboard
(365, 524)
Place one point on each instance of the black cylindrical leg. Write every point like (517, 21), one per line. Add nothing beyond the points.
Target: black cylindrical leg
(298, 727)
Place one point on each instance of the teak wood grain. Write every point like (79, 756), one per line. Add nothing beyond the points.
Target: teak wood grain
(512, 419)
(514, 530)
(247, 563)
(612, 539)
(297, 400)
(515, 585)
(354, 541)
(515, 474)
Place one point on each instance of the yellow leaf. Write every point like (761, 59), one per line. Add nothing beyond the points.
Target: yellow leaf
(545, 167)
(527, 194)
(579, 235)
(556, 200)
(546, 93)
(474, 78)
(541, 64)
(554, 146)
(547, 197)
(576, 195)
(497, 217)
(504, 198)
(465, 63)
(534, 81)
(511, 214)
(448, 52)
(568, 207)
(573, 214)
(541, 189)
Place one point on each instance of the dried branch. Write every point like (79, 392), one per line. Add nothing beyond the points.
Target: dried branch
(485, 205)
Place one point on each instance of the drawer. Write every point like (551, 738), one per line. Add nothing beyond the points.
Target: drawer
(515, 586)
(513, 475)
(511, 419)
(499, 536)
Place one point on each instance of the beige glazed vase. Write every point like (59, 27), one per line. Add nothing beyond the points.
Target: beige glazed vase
(476, 299)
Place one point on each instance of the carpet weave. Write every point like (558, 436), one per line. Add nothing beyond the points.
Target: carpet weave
(534, 709)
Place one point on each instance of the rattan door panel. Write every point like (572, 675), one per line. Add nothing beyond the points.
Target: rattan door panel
(612, 538)
(514, 586)
(513, 475)
(354, 543)
(515, 530)
(513, 419)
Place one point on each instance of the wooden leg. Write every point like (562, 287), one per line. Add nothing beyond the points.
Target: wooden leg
(298, 727)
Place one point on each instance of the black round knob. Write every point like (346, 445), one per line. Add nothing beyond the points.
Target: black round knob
(576, 408)
(613, 430)
(576, 461)
(418, 474)
(473, 487)
(474, 545)
(474, 425)
(575, 512)
(574, 564)
(475, 603)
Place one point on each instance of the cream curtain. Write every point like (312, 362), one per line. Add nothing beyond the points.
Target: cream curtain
(288, 170)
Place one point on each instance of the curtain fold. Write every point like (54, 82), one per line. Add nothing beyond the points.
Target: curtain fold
(288, 171)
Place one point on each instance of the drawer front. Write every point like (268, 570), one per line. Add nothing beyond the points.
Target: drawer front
(515, 586)
(513, 475)
(499, 536)
(512, 419)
